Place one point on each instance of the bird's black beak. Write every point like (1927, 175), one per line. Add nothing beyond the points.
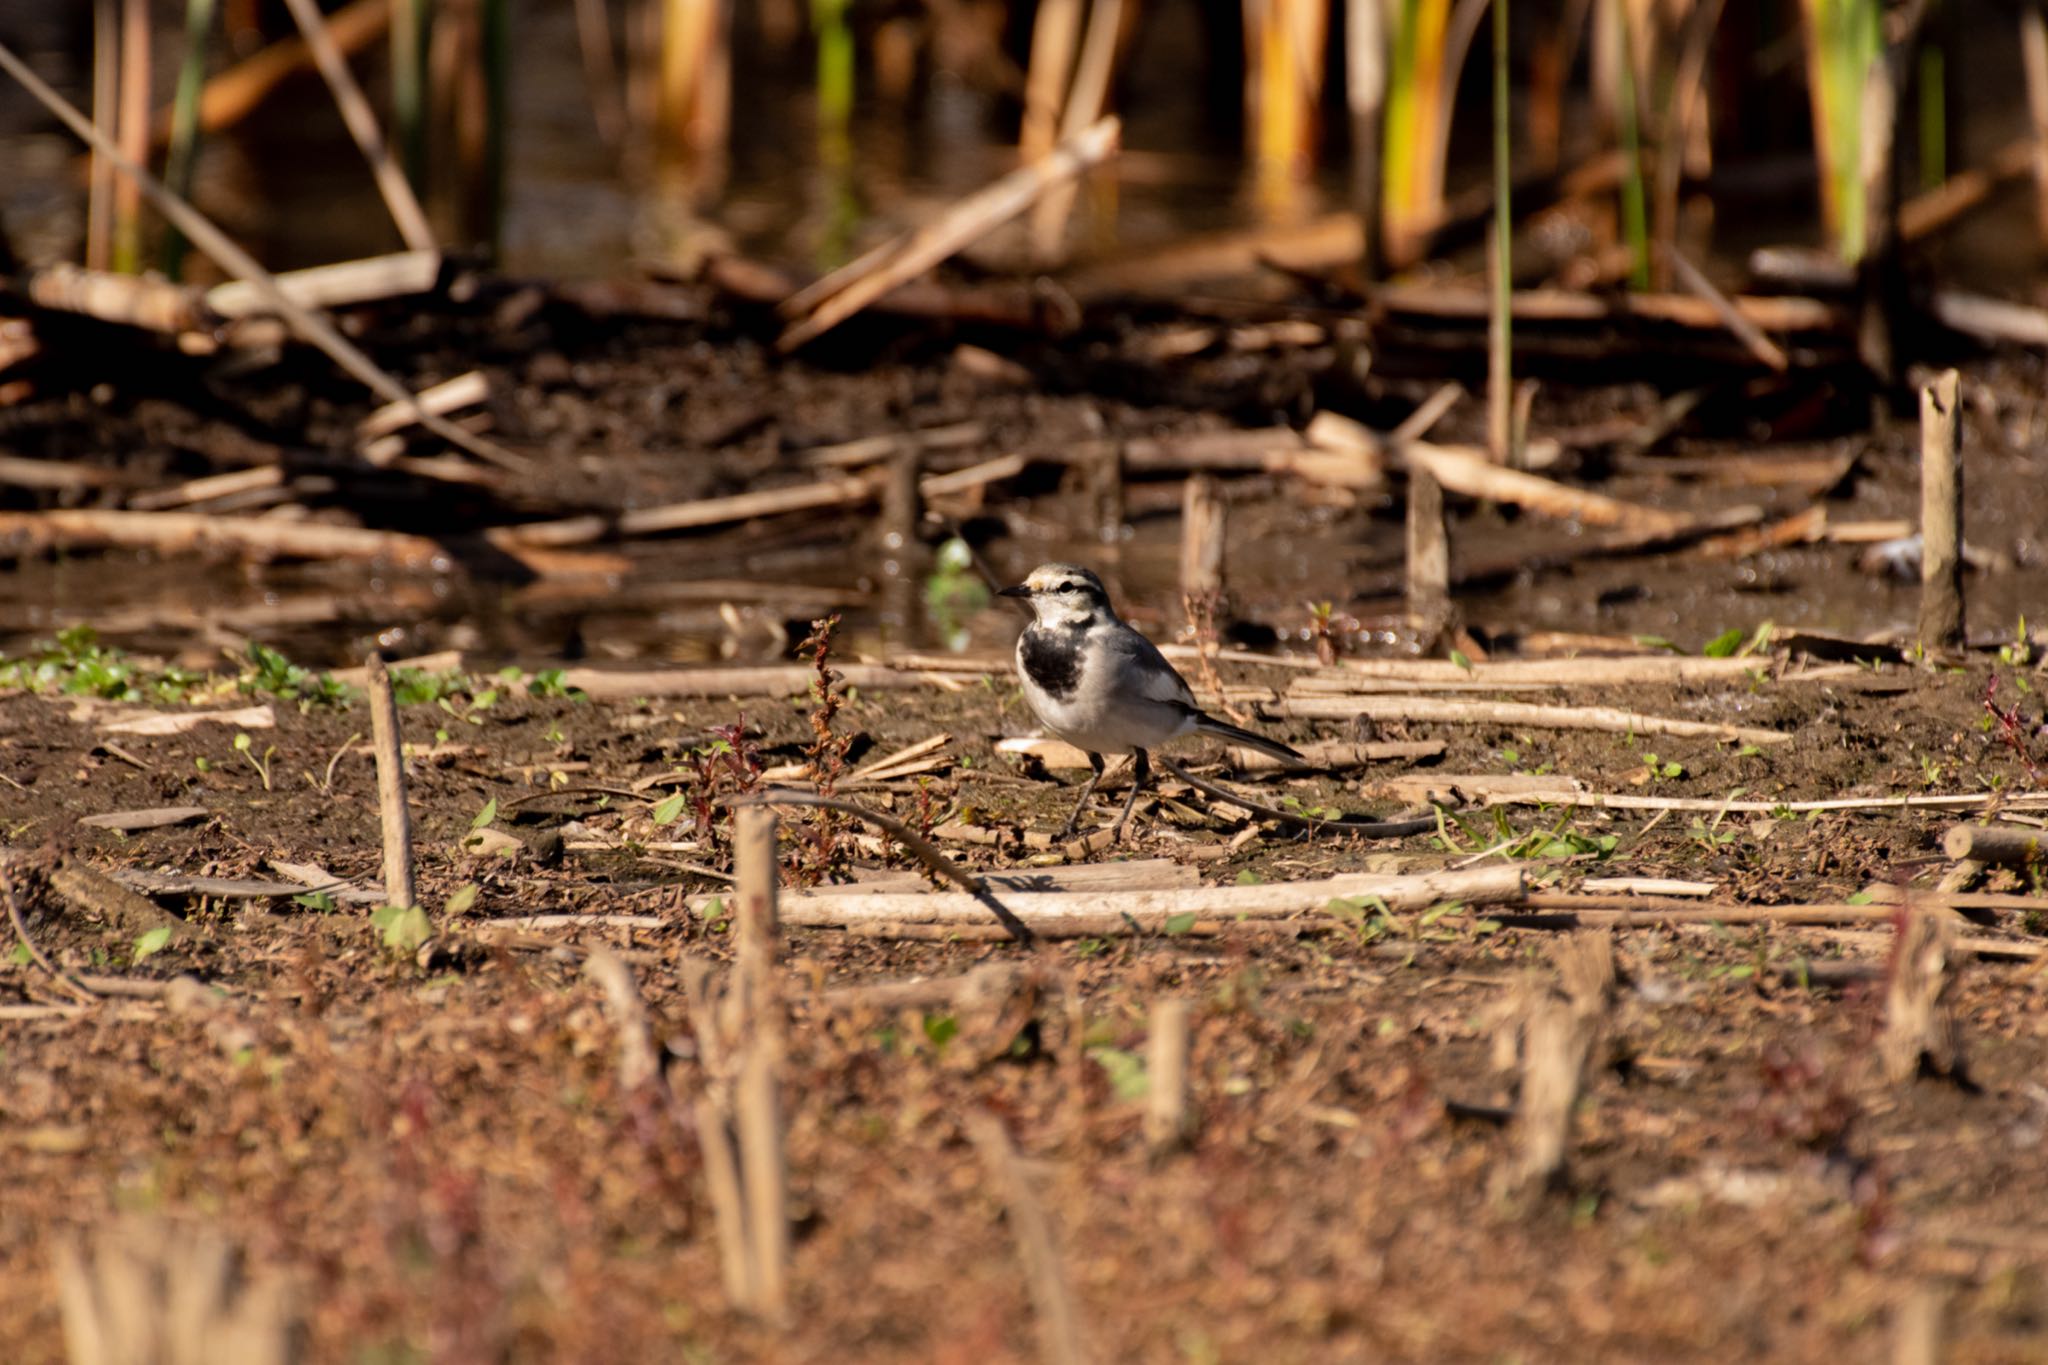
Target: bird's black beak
(1018, 591)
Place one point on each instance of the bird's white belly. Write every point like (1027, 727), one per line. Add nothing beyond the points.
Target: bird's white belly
(1116, 729)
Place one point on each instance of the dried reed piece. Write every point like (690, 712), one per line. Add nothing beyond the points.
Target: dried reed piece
(1635, 670)
(174, 533)
(1471, 473)
(366, 280)
(1166, 1069)
(2007, 845)
(841, 294)
(1919, 1021)
(638, 1062)
(392, 811)
(171, 1293)
(1553, 1032)
(1059, 1320)
(687, 516)
(1429, 555)
(1150, 909)
(1941, 515)
(362, 126)
(1455, 711)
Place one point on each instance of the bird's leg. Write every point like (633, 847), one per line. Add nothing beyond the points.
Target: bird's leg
(1095, 762)
(1141, 769)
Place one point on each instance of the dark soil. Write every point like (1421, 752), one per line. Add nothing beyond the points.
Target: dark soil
(442, 1155)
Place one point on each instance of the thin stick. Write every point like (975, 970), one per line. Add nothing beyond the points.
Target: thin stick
(1059, 1321)
(1166, 1068)
(1452, 710)
(391, 807)
(1941, 515)
(1567, 792)
(1740, 327)
(362, 126)
(728, 1202)
(201, 232)
(916, 252)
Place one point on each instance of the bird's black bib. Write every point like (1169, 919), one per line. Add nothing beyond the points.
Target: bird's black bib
(1052, 660)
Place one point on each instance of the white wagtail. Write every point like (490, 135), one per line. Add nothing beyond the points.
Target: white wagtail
(1101, 686)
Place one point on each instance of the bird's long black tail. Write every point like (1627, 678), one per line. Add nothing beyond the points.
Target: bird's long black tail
(1208, 725)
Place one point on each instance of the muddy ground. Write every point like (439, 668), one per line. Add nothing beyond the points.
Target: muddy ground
(438, 1152)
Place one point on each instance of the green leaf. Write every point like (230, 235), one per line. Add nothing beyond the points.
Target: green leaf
(318, 901)
(1458, 658)
(152, 942)
(21, 956)
(669, 807)
(1724, 645)
(464, 897)
(1181, 923)
(1860, 898)
(941, 1029)
(486, 815)
(1250, 878)
(405, 927)
(1126, 1072)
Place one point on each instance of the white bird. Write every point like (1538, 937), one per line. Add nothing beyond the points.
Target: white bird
(1101, 686)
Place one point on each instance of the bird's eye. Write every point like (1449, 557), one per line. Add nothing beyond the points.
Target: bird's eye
(1069, 587)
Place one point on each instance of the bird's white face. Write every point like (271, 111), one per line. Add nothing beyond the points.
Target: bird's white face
(1063, 595)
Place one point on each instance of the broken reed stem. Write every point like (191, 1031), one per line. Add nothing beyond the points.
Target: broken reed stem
(1919, 1026)
(638, 1062)
(1429, 555)
(1559, 1028)
(391, 808)
(1166, 1065)
(728, 1200)
(2007, 845)
(1941, 515)
(763, 1168)
(1059, 1321)
(1500, 427)
(2034, 57)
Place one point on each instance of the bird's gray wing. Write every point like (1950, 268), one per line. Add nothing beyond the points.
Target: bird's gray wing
(1149, 674)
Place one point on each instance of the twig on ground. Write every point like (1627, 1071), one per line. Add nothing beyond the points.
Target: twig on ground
(638, 1063)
